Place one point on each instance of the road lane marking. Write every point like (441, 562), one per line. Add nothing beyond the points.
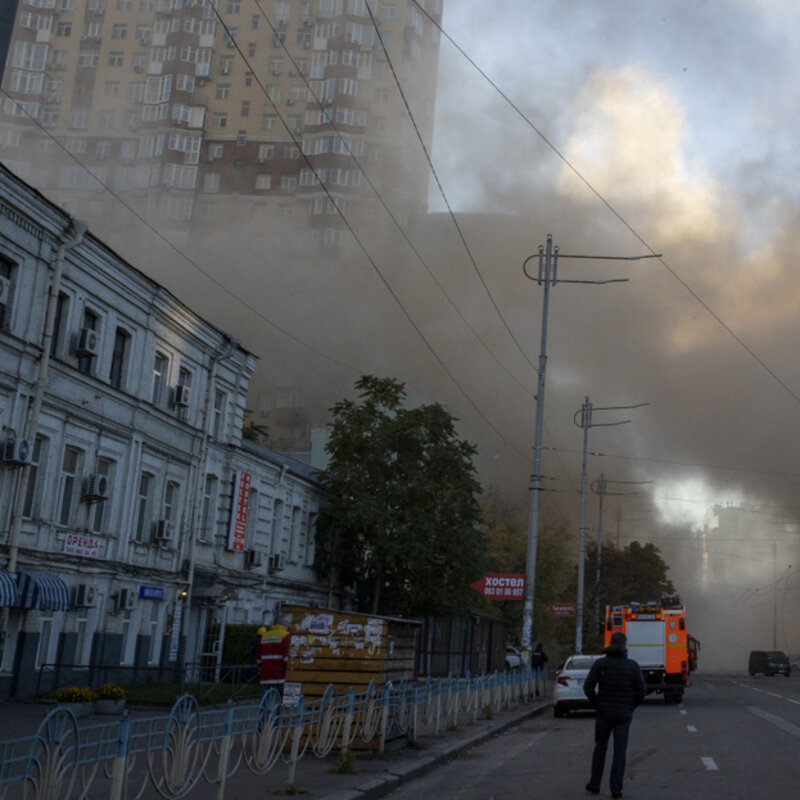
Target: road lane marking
(691, 728)
(710, 764)
(796, 702)
(774, 719)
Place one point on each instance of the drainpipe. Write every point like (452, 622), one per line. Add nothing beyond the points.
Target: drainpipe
(202, 456)
(71, 237)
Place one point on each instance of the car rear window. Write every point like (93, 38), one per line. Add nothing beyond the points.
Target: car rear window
(580, 663)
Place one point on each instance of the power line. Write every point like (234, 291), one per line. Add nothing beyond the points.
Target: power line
(585, 181)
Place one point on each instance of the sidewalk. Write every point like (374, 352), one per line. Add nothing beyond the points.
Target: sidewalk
(314, 780)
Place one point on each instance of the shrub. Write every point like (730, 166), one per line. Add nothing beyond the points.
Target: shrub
(76, 694)
(111, 691)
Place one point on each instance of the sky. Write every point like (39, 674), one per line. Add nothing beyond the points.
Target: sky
(633, 128)
(622, 128)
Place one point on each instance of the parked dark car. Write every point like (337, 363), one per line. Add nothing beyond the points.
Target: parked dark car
(770, 662)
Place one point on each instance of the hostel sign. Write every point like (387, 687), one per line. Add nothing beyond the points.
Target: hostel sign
(501, 586)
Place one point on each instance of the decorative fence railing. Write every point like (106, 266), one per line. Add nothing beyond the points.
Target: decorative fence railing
(171, 754)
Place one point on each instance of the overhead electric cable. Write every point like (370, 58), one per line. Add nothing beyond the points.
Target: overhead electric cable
(618, 215)
(219, 284)
(443, 193)
(378, 195)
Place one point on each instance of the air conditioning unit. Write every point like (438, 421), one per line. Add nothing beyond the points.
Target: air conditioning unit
(97, 487)
(308, 22)
(126, 600)
(17, 451)
(88, 343)
(259, 161)
(5, 290)
(255, 558)
(182, 395)
(85, 596)
(163, 531)
(224, 70)
(289, 101)
(276, 562)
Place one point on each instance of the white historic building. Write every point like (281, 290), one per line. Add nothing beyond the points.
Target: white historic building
(135, 523)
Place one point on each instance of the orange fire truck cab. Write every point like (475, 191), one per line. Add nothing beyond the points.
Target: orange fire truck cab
(657, 640)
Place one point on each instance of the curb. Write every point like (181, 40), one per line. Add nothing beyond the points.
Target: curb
(377, 787)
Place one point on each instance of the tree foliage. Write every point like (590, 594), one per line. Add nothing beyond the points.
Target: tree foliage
(635, 573)
(401, 521)
(506, 527)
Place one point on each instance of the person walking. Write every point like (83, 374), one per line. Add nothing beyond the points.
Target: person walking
(614, 688)
(538, 664)
(273, 656)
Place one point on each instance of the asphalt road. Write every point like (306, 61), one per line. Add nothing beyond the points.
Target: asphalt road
(732, 737)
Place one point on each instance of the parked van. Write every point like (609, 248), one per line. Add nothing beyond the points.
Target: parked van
(770, 662)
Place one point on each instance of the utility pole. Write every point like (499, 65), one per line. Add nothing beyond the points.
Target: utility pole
(547, 276)
(585, 423)
(600, 488)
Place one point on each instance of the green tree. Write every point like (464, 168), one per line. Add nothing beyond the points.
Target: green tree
(401, 524)
(635, 573)
(506, 528)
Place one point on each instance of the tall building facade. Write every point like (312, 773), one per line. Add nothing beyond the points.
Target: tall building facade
(284, 120)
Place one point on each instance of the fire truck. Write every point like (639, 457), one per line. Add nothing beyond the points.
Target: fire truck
(657, 640)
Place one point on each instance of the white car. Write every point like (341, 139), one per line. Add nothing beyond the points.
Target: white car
(514, 658)
(568, 689)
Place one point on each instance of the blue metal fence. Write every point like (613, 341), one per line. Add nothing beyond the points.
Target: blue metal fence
(170, 754)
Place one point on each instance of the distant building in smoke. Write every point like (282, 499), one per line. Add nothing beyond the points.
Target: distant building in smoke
(740, 545)
(280, 120)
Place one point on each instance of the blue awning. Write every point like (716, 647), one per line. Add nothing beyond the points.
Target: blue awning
(42, 591)
(8, 590)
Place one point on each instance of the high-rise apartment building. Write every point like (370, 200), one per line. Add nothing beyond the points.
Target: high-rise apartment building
(266, 99)
(285, 119)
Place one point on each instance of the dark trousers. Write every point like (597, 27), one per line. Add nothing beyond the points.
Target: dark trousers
(603, 728)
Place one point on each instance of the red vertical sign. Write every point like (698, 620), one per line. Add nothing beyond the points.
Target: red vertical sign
(241, 498)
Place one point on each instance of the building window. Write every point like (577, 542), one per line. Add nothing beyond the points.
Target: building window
(276, 535)
(311, 535)
(116, 374)
(160, 367)
(98, 513)
(223, 91)
(45, 636)
(297, 544)
(119, 31)
(69, 481)
(252, 520)
(171, 501)
(208, 511)
(6, 272)
(33, 490)
(184, 383)
(153, 649)
(91, 322)
(218, 415)
(81, 639)
(116, 59)
(126, 655)
(142, 507)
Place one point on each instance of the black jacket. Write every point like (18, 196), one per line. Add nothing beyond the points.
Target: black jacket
(615, 685)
